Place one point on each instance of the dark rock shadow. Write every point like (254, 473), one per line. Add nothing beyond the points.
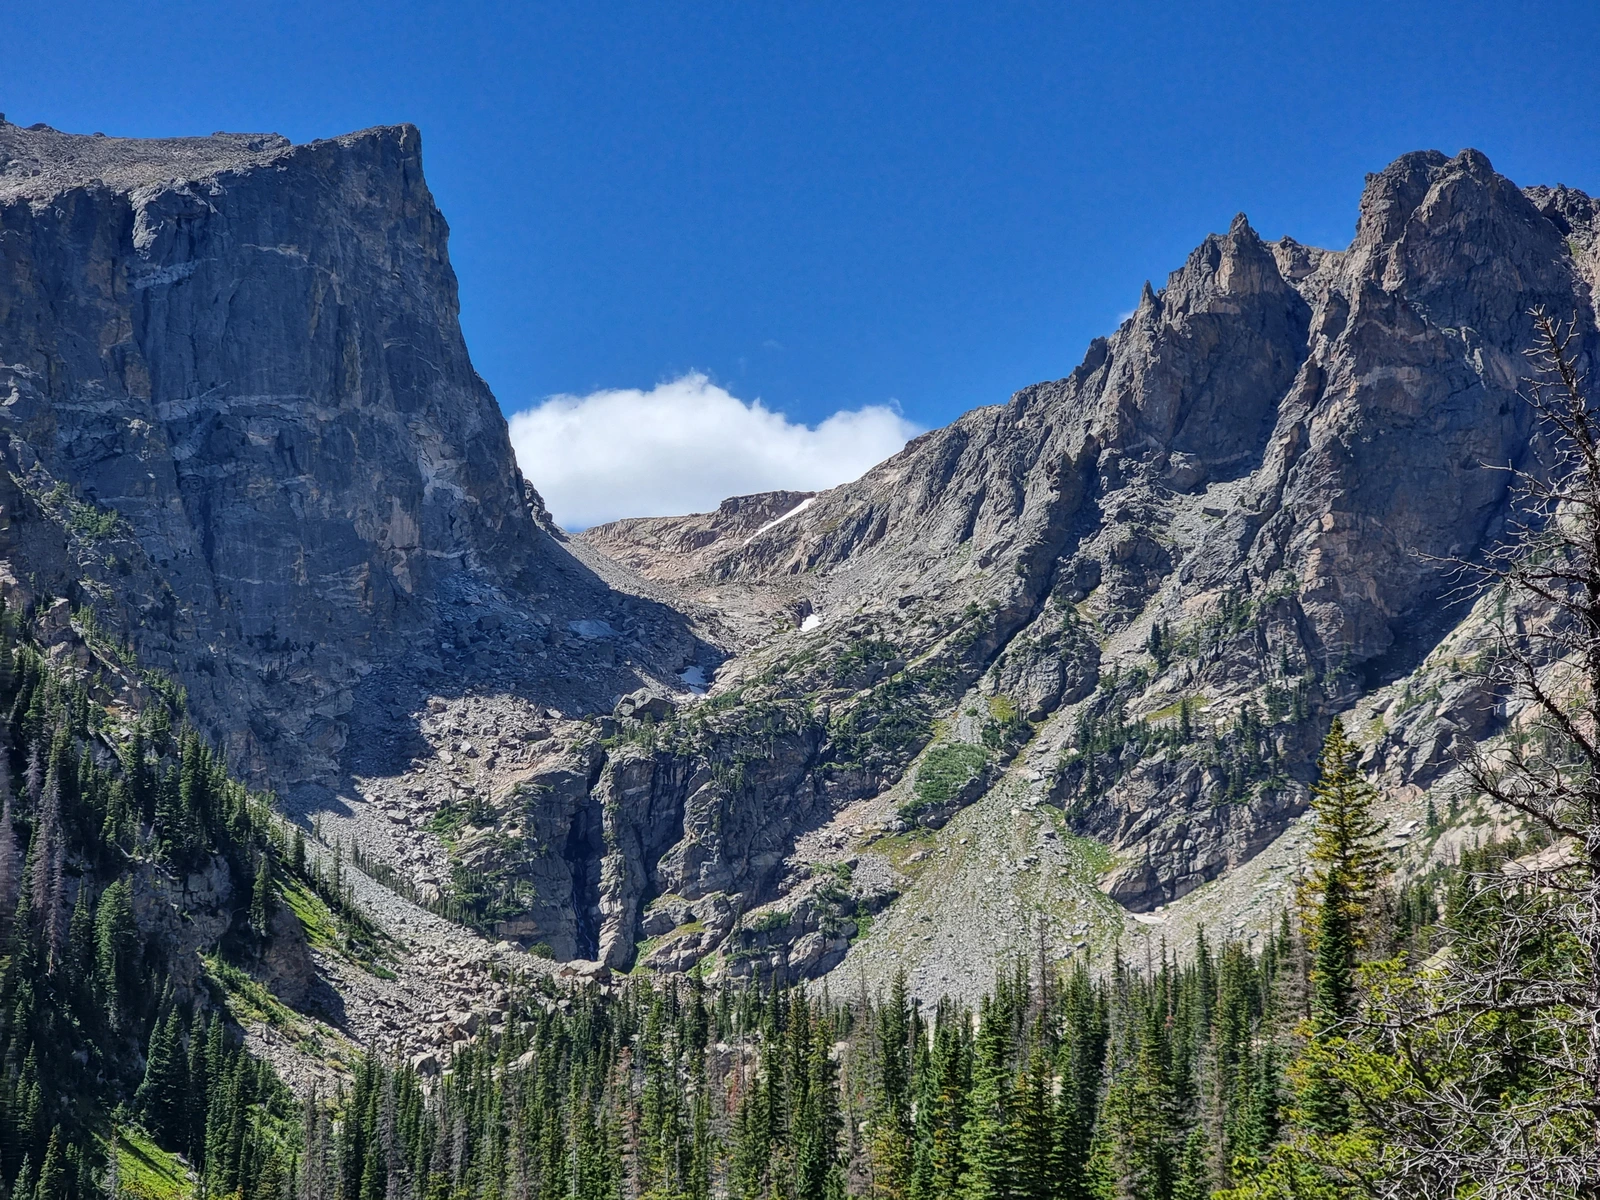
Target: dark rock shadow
(572, 647)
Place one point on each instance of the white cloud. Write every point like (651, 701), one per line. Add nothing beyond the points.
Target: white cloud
(685, 446)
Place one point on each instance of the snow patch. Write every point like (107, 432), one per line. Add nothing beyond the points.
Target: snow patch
(592, 630)
(778, 520)
(811, 622)
(694, 677)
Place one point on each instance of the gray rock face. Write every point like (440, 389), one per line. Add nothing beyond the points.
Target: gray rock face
(245, 356)
(239, 421)
(675, 548)
(1267, 462)
(705, 811)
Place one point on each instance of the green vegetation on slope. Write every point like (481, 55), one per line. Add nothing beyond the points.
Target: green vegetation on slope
(109, 818)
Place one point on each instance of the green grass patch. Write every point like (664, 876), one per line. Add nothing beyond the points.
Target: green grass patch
(146, 1171)
(315, 917)
(1172, 710)
(899, 847)
(325, 932)
(450, 822)
(1095, 856)
(249, 1000)
(945, 770)
(863, 927)
(1003, 708)
(644, 948)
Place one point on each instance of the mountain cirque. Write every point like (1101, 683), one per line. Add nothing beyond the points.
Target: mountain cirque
(1058, 670)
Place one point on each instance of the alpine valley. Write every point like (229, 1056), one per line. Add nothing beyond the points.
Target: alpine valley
(343, 788)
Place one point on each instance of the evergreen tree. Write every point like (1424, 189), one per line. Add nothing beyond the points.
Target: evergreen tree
(10, 853)
(1034, 1160)
(1194, 1172)
(47, 856)
(985, 1147)
(891, 1113)
(53, 1170)
(1346, 864)
(161, 1098)
(261, 896)
(116, 949)
(1346, 867)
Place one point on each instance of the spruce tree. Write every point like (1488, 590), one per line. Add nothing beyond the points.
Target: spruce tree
(1346, 864)
(986, 1147)
(161, 1099)
(1194, 1172)
(1034, 1162)
(261, 896)
(10, 853)
(891, 1112)
(949, 1097)
(116, 949)
(1346, 867)
(53, 1170)
(48, 854)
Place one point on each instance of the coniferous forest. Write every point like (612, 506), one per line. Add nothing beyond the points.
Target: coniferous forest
(1250, 1069)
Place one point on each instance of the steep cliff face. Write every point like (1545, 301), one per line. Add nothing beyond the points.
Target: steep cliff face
(1229, 523)
(1350, 396)
(234, 365)
(241, 427)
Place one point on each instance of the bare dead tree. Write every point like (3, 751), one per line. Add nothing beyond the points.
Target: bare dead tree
(1479, 1073)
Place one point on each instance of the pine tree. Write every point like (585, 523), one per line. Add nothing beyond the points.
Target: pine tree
(1346, 868)
(116, 949)
(1194, 1172)
(161, 1098)
(891, 1111)
(112, 1184)
(52, 1171)
(1334, 963)
(81, 939)
(48, 855)
(140, 784)
(1034, 1162)
(1081, 1062)
(985, 1148)
(23, 1186)
(261, 896)
(1346, 864)
(198, 1093)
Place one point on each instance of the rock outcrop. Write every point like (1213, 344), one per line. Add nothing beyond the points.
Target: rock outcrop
(240, 427)
(674, 549)
(1243, 505)
(231, 368)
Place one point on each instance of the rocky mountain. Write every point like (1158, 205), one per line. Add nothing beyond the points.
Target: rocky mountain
(1236, 518)
(1058, 671)
(233, 371)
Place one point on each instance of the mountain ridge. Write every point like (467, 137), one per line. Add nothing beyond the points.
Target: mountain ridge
(1109, 618)
(1375, 403)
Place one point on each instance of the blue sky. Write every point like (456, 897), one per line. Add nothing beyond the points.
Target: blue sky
(835, 206)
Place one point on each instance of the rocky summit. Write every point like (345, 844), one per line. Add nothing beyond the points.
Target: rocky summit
(1052, 678)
